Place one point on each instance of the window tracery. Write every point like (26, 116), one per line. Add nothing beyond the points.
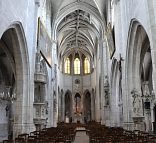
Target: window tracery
(77, 66)
(67, 66)
(86, 66)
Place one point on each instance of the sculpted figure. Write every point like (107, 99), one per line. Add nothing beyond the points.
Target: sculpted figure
(136, 102)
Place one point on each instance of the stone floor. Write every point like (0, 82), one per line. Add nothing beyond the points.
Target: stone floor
(81, 137)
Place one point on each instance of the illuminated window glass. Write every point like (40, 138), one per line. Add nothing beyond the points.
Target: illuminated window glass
(86, 66)
(67, 66)
(77, 66)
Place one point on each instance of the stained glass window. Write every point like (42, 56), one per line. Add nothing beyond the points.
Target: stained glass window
(86, 66)
(67, 66)
(77, 66)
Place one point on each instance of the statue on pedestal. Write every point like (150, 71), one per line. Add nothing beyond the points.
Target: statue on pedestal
(137, 108)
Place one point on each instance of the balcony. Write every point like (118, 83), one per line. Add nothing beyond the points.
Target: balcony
(39, 121)
(39, 113)
(40, 77)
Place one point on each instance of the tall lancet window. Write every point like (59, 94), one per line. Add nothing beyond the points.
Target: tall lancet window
(86, 66)
(77, 66)
(67, 66)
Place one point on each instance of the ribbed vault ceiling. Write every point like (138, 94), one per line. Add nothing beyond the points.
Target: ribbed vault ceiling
(59, 4)
(79, 30)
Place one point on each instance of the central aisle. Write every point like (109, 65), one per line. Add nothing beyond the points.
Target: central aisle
(81, 137)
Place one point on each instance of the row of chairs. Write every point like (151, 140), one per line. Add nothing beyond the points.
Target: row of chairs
(103, 134)
(63, 133)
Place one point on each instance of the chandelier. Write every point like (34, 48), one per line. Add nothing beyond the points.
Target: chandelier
(7, 94)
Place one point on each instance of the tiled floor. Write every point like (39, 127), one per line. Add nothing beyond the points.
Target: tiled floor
(81, 137)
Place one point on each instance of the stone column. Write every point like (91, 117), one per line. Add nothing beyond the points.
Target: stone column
(148, 127)
(59, 106)
(63, 108)
(152, 28)
(92, 106)
(55, 105)
(97, 96)
(73, 105)
(102, 83)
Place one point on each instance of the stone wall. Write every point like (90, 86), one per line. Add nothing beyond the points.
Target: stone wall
(3, 121)
(142, 11)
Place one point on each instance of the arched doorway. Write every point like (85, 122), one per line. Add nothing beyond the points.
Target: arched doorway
(87, 107)
(77, 103)
(7, 90)
(14, 89)
(68, 107)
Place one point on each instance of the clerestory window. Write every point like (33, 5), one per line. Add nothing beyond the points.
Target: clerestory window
(86, 66)
(77, 66)
(67, 66)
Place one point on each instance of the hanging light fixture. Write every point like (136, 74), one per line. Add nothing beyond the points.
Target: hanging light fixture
(6, 94)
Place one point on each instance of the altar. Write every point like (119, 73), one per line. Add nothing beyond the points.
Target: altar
(78, 118)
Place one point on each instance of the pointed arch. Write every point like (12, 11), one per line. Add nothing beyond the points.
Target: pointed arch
(68, 105)
(87, 106)
(138, 63)
(86, 65)
(15, 40)
(137, 46)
